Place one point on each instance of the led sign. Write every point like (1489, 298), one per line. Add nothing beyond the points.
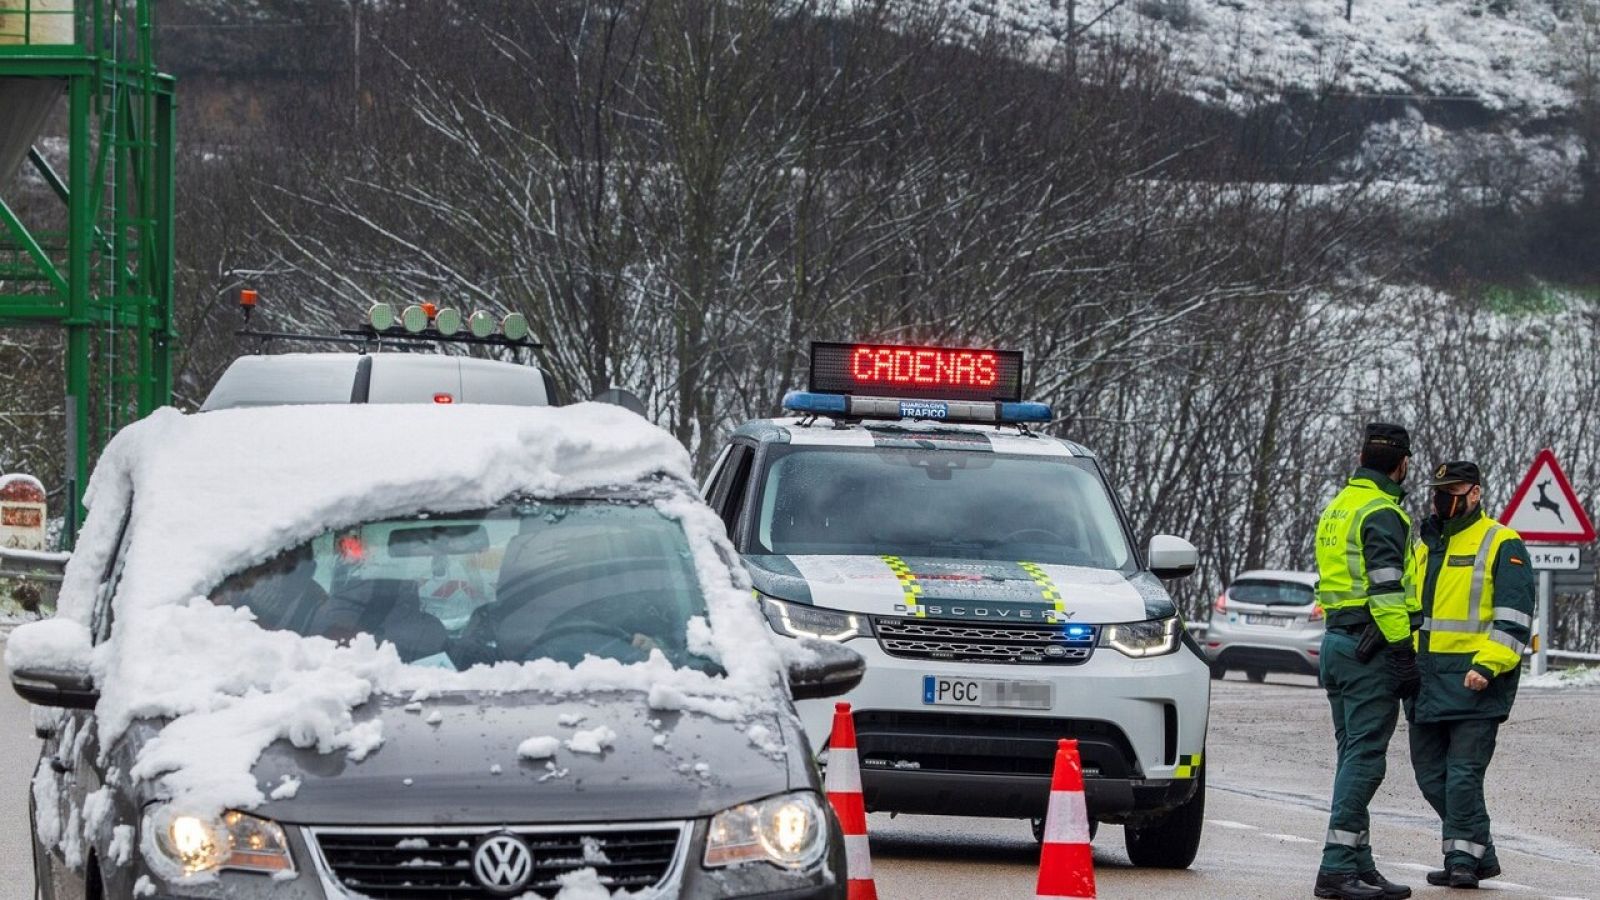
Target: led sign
(942, 373)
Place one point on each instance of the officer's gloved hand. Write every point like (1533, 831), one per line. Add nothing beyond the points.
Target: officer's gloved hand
(1403, 668)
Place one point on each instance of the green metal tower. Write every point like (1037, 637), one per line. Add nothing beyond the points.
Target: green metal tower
(97, 264)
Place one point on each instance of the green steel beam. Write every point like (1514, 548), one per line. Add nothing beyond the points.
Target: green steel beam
(23, 236)
(108, 280)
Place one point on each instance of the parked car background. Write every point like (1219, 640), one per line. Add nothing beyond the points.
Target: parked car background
(1265, 621)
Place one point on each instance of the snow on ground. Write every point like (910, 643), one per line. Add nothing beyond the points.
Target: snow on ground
(1238, 49)
(1582, 676)
(217, 492)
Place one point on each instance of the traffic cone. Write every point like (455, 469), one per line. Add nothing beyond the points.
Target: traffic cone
(1066, 862)
(844, 792)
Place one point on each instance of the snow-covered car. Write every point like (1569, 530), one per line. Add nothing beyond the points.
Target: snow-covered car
(989, 577)
(330, 652)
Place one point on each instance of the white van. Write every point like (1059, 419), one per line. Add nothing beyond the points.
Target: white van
(304, 378)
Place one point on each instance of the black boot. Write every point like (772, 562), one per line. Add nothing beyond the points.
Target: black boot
(1345, 886)
(1463, 877)
(1391, 891)
(1441, 877)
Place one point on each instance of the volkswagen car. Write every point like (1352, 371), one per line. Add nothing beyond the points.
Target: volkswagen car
(339, 652)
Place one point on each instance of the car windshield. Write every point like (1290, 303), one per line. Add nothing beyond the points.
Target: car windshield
(1272, 593)
(952, 504)
(527, 580)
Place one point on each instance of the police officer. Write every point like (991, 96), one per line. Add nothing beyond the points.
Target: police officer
(1368, 664)
(1477, 604)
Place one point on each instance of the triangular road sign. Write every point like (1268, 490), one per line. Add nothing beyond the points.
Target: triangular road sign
(1544, 508)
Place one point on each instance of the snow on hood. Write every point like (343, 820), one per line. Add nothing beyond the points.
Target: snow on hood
(214, 493)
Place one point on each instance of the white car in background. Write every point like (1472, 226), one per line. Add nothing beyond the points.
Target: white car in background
(306, 378)
(1266, 620)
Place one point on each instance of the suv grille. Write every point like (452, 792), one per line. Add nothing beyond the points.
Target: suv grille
(406, 863)
(982, 642)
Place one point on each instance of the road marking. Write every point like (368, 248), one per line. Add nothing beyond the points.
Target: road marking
(1291, 838)
(1237, 826)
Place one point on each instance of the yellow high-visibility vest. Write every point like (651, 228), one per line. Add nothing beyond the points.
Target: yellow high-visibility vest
(1461, 616)
(1344, 581)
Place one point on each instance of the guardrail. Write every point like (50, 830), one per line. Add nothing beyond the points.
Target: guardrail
(29, 583)
(1198, 629)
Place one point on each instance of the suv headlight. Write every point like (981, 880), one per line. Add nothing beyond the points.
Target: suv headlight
(801, 621)
(789, 830)
(1154, 637)
(174, 841)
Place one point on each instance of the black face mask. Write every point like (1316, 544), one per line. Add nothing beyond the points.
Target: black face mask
(1449, 505)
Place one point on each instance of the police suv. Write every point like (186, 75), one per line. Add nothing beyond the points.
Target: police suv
(988, 574)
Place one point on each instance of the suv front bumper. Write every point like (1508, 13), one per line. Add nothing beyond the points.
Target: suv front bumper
(1140, 726)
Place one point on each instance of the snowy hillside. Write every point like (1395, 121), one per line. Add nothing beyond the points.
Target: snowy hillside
(1499, 53)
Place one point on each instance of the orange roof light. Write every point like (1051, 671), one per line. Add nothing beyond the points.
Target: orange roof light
(247, 298)
(432, 309)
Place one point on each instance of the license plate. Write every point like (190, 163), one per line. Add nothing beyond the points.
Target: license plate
(1278, 621)
(941, 690)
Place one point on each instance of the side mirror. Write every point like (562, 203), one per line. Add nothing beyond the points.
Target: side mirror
(54, 687)
(828, 670)
(1172, 557)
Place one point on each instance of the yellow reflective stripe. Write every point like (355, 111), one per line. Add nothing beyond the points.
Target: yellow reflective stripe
(1047, 585)
(909, 588)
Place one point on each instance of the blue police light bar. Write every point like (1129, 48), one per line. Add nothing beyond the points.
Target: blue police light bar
(814, 403)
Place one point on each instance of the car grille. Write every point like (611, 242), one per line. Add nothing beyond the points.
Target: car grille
(408, 863)
(939, 639)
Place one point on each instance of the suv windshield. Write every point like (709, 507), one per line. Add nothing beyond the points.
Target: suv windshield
(528, 580)
(952, 504)
(1272, 593)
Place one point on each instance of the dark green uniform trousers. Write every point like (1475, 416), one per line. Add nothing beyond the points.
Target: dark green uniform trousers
(1364, 715)
(1450, 759)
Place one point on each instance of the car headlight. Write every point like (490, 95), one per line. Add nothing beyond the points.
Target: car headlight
(789, 830)
(185, 844)
(801, 621)
(1154, 637)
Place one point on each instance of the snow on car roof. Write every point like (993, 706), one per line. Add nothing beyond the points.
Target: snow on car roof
(214, 493)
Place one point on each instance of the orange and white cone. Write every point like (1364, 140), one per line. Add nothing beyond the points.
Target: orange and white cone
(1066, 861)
(844, 792)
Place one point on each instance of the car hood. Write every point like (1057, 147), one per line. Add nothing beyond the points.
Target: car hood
(453, 760)
(962, 589)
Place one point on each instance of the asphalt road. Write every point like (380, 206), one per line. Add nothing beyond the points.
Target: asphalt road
(1269, 776)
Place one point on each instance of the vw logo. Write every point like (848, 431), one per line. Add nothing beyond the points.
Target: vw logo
(503, 864)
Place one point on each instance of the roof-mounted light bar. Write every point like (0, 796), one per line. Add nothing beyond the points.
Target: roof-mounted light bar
(842, 406)
(416, 323)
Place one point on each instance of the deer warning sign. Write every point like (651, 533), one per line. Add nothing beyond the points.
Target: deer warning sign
(1544, 509)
